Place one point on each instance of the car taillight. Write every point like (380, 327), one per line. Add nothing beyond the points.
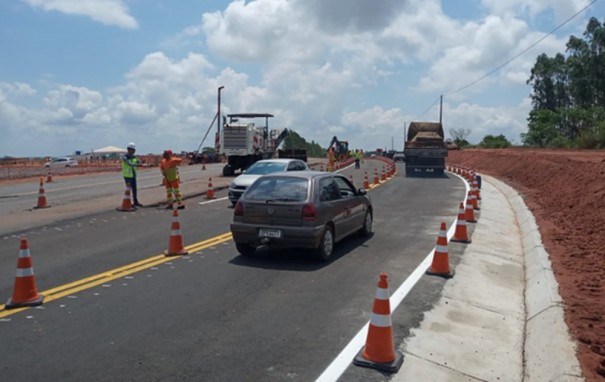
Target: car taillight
(309, 212)
(239, 209)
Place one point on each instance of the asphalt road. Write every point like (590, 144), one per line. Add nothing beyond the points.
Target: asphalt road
(212, 315)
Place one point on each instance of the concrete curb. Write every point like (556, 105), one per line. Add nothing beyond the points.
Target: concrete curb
(549, 352)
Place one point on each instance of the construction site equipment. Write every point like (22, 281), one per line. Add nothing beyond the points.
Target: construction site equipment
(175, 242)
(341, 148)
(24, 290)
(441, 260)
(42, 202)
(425, 150)
(379, 351)
(126, 202)
(243, 144)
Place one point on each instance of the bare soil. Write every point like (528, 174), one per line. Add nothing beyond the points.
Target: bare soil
(565, 190)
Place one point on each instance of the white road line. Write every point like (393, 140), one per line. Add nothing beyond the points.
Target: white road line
(342, 361)
(212, 201)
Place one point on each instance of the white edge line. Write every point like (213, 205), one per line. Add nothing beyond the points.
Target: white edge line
(342, 361)
(212, 201)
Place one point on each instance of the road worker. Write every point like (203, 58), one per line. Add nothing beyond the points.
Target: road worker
(129, 170)
(170, 172)
(357, 156)
(331, 159)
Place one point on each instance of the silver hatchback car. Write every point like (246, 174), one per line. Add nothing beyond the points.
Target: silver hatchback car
(306, 209)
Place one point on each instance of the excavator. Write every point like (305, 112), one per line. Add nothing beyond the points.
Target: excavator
(341, 148)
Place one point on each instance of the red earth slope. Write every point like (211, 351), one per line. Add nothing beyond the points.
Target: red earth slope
(565, 190)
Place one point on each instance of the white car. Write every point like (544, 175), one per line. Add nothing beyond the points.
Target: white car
(260, 168)
(61, 162)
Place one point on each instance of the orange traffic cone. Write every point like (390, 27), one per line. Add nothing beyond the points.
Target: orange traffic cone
(383, 176)
(379, 351)
(175, 244)
(24, 291)
(469, 215)
(376, 180)
(366, 183)
(476, 188)
(126, 203)
(473, 199)
(441, 262)
(461, 233)
(49, 177)
(42, 202)
(210, 192)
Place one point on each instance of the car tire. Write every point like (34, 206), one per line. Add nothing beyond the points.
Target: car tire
(326, 245)
(366, 229)
(245, 249)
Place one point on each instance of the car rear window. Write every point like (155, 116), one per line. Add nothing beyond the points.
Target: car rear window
(278, 189)
(266, 168)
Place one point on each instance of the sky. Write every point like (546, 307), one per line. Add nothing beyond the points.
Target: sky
(76, 75)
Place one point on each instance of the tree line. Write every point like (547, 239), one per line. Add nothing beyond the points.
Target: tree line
(568, 97)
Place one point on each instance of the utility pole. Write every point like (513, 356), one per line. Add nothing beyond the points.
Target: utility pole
(440, 107)
(218, 117)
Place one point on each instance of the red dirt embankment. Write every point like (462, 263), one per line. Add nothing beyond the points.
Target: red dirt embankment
(565, 191)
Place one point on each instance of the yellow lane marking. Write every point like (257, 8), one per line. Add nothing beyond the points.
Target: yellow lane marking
(116, 273)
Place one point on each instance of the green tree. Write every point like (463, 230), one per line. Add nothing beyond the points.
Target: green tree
(491, 142)
(568, 93)
(542, 128)
(295, 141)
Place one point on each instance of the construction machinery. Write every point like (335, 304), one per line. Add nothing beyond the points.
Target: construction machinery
(245, 143)
(341, 148)
(425, 149)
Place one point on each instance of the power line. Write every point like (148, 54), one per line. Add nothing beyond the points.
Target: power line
(513, 58)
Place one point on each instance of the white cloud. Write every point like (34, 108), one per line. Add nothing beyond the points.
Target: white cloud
(109, 12)
(322, 68)
(562, 9)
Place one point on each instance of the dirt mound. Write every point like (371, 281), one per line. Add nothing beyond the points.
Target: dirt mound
(565, 190)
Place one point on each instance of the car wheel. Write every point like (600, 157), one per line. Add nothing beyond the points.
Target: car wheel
(245, 249)
(366, 230)
(326, 245)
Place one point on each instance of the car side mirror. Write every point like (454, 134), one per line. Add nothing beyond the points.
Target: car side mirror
(361, 191)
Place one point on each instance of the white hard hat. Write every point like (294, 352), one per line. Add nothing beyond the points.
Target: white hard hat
(131, 145)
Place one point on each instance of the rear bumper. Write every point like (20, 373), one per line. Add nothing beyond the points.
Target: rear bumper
(292, 237)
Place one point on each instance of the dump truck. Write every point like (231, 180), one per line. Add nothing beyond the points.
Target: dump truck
(425, 149)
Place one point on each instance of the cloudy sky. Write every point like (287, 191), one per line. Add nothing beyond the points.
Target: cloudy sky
(79, 75)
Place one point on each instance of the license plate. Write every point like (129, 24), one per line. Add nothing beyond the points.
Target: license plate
(273, 233)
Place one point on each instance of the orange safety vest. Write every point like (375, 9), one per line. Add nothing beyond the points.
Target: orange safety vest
(169, 168)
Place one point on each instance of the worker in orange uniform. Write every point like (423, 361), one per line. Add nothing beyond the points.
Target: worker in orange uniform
(331, 159)
(170, 172)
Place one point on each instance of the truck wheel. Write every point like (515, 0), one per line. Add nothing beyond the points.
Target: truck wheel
(245, 249)
(228, 170)
(326, 245)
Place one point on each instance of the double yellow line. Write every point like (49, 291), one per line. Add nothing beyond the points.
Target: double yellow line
(116, 273)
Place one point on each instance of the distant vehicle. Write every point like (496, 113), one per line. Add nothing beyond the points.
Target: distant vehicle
(260, 168)
(61, 162)
(425, 150)
(399, 157)
(307, 209)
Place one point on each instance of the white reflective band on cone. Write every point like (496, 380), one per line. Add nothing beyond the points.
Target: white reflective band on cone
(381, 320)
(382, 294)
(25, 272)
(24, 253)
(440, 248)
(175, 232)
